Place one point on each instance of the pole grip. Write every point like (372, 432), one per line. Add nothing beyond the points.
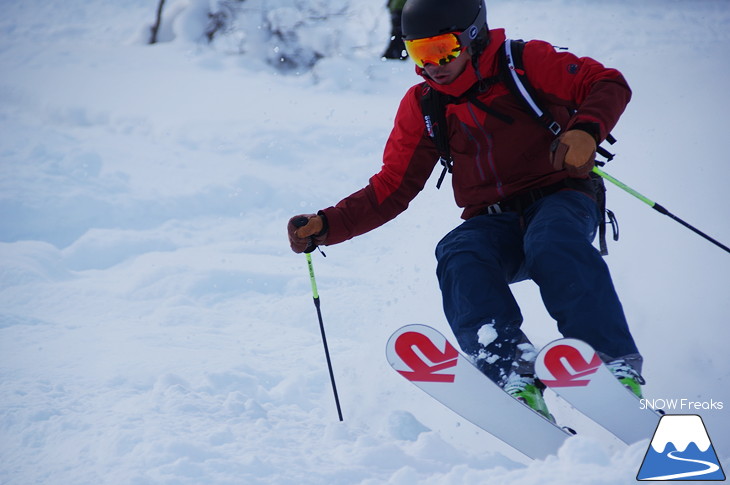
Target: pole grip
(302, 221)
(312, 279)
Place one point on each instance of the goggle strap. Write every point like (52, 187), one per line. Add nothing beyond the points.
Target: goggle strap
(471, 32)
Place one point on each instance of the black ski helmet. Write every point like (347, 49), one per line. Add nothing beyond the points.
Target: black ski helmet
(427, 18)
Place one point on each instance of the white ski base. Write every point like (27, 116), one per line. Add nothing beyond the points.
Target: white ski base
(572, 369)
(425, 357)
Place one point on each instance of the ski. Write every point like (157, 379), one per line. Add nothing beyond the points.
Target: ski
(426, 358)
(572, 369)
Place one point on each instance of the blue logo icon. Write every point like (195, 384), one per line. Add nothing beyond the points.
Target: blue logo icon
(681, 450)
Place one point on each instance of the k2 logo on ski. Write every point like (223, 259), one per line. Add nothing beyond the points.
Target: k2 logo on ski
(569, 367)
(421, 370)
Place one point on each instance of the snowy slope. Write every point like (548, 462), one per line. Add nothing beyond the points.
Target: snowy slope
(154, 325)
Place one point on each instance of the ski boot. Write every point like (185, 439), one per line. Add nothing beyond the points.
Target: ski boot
(527, 389)
(627, 375)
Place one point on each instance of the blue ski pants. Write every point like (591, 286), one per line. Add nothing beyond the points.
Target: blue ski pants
(549, 243)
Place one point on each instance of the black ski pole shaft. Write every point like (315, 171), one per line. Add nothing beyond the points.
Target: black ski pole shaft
(302, 221)
(658, 207)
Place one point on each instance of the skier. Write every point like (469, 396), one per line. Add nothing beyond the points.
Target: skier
(528, 201)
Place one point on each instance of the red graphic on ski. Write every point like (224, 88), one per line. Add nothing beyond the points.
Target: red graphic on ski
(568, 366)
(405, 347)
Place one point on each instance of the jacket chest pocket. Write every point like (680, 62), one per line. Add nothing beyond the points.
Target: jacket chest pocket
(473, 154)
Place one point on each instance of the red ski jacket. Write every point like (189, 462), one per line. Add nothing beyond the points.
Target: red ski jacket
(493, 159)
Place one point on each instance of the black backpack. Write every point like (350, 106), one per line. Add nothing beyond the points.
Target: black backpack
(512, 74)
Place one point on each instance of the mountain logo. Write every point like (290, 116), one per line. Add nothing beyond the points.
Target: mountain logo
(681, 450)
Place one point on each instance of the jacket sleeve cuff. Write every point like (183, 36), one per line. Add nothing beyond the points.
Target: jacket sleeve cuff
(592, 129)
(325, 224)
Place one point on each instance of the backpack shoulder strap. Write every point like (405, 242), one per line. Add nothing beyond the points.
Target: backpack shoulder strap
(433, 107)
(515, 77)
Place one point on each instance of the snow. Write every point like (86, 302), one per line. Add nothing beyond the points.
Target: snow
(154, 325)
(486, 334)
(680, 431)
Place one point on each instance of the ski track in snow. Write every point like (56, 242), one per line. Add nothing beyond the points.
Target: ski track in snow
(155, 328)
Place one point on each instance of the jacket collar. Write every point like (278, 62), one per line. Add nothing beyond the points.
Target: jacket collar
(487, 68)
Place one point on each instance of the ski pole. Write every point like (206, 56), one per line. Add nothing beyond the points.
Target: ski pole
(300, 222)
(657, 207)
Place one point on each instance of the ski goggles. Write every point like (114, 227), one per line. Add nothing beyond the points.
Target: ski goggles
(439, 49)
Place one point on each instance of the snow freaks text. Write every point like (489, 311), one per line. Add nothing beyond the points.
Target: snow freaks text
(678, 404)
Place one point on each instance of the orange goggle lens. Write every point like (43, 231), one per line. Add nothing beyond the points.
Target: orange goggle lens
(440, 49)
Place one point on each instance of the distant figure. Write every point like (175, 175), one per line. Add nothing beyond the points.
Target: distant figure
(396, 49)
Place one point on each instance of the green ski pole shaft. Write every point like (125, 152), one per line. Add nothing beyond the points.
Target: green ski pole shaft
(315, 295)
(657, 207)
